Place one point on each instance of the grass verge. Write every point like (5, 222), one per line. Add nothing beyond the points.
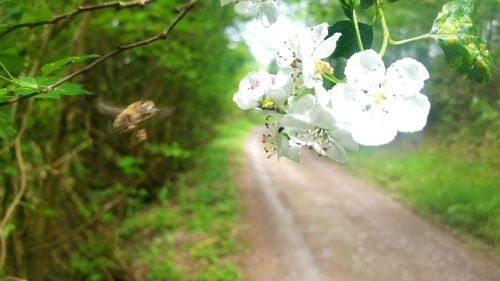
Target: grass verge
(437, 180)
(191, 235)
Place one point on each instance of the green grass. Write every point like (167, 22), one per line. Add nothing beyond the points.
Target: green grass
(192, 235)
(438, 180)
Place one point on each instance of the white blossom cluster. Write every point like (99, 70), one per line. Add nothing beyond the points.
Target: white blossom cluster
(369, 109)
(266, 10)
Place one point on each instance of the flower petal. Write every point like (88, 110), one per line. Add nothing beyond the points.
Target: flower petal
(303, 105)
(287, 53)
(343, 137)
(225, 2)
(246, 8)
(406, 77)
(337, 152)
(246, 100)
(269, 13)
(322, 117)
(365, 71)
(322, 96)
(373, 127)
(299, 121)
(326, 48)
(288, 148)
(410, 113)
(347, 102)
(308, 69)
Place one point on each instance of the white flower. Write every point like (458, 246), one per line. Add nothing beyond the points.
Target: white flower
(267, 10)
(304, 53)
(377, 103)
(262, 90)
(278, 141)
(313, 124)
(252, 89)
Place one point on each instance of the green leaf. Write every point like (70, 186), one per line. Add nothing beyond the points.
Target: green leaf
(391, 1)
(70, 89)
(28, 82)
(348, 6)
(29, 85)
(365, 4)
(347, 44)
(7, 125)
(53, 66)
(455, 32)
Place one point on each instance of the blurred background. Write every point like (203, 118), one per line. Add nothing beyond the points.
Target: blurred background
(168, 209)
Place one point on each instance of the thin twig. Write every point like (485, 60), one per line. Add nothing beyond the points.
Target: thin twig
(78, 10)
(119, 49)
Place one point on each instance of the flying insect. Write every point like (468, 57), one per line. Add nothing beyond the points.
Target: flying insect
(129, 119)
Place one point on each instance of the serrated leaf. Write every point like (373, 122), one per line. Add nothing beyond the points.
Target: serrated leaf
(53, 66)
(347, 44)
(455, 32)
(7, 125)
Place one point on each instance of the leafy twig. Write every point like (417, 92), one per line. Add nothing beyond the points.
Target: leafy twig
(119, 49)
(78, 10)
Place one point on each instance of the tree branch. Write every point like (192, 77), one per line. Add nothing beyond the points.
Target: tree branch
(80, 9)
(119, 49)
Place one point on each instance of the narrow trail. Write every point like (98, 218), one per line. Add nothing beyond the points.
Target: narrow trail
(314, 222)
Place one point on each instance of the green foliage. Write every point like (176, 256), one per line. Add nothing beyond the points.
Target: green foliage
(173, 150)
(457, 35)
(347, 44)
(7, 125)
(194, 236)
(440, 180)
(53, 66)
(130, 165)
(29, 85)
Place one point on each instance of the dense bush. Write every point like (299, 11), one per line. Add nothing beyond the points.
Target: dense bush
(79, 179)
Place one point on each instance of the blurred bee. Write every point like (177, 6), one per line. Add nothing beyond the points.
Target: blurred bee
(129, 120)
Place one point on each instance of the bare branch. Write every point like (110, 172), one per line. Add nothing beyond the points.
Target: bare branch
(80, 9)
(119, 49)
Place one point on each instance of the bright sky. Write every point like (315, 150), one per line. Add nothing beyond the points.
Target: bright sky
(263, 42)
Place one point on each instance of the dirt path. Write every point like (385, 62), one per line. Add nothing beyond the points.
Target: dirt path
(313, 221)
